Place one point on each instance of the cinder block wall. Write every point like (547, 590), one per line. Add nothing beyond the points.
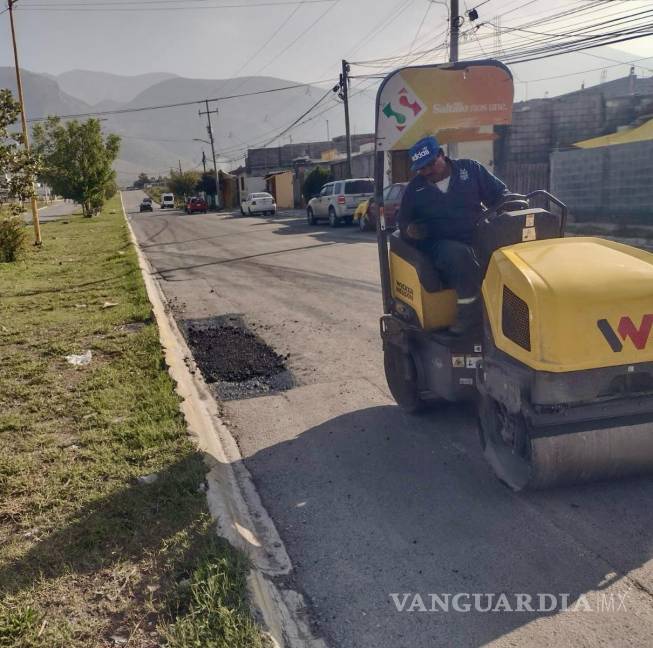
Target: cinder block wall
(540, 126)
(610, 183)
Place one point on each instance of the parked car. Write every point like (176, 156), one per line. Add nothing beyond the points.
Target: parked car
(146, 205)
(392, 196)
(260, 202)
(338, 201)
(167, 201)
(196, 204)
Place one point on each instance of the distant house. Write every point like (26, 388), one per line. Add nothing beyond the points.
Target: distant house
(281, 186)
(247, 183)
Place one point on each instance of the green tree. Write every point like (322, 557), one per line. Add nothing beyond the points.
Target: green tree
(206, 183)
(142, 180)
(17, 168)
(314, 181)
(17, 172)
(183, 184)
(78, 160)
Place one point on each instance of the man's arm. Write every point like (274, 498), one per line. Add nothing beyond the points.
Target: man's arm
(491, 188)
(406, 210)
(411, 229)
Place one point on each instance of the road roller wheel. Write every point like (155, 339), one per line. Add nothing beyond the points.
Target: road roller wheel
(401, 374)
(505, 442)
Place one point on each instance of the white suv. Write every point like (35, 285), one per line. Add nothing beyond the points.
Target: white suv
(338, 201)
(167, 201)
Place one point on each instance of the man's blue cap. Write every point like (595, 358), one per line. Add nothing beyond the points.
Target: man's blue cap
(423, 152)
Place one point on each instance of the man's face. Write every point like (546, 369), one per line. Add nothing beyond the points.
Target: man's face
(435, 168)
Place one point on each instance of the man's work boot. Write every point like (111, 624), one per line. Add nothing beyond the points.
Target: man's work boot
(468, 317)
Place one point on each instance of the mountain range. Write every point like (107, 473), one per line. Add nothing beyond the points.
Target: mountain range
(153, 141)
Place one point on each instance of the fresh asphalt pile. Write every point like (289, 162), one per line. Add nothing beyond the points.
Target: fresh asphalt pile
(234, 360)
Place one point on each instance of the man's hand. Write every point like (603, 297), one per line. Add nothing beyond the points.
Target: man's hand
(417, 231)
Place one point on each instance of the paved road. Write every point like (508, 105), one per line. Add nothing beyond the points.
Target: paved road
(54, 211)
(370, 501)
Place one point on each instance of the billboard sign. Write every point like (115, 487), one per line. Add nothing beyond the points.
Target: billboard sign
(454, 102)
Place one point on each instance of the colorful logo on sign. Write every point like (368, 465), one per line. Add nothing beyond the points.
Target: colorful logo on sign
(639, 335)
(396, 112)
(426, 100)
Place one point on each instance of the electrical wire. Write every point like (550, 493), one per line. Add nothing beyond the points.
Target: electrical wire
(422, 53)
(122, 111)
(520, 54)
(267, 42)
(157, 5)
(301, 35)
(310, 110)
(419, 29)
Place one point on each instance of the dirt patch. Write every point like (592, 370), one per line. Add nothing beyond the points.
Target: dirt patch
(234, 360)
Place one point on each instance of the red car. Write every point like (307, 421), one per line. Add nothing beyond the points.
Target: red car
(195, 205)
(392, 196)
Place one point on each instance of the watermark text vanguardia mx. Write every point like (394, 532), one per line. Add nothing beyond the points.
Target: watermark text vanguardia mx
(509, 602)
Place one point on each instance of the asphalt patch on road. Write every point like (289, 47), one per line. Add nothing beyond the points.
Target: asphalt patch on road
(234, 360)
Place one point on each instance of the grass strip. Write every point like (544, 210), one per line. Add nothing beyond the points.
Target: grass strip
(105, 536)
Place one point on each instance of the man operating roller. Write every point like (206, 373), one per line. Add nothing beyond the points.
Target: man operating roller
(439, 211)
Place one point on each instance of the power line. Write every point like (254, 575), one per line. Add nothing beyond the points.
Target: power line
(520, 54)
(301, 35)
(603, 67)
(422, 53)
(419, 29)
(269, 40)
(122, 111)
(311, 109)
(158, 5)
(300, 121)
(394, 13)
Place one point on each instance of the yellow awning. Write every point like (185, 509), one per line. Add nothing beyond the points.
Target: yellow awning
(639, 134)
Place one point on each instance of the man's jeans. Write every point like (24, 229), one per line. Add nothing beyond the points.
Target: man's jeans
(458, 267)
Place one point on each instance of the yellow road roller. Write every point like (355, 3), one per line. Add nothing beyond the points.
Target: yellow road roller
(561, 365)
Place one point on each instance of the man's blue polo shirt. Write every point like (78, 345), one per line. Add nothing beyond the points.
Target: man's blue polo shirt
(453, 214)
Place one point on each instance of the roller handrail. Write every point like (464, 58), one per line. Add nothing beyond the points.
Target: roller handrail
(556, 201)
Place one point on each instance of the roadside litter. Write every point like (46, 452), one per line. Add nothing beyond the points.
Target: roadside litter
(80, 360)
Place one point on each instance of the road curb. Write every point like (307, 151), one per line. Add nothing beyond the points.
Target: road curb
(232, 497)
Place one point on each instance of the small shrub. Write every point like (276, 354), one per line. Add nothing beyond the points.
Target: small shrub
(12, 238)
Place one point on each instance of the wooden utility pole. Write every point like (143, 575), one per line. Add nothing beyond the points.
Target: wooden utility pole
(23, 119)
(204, 161)
(209, 128)
(344, 95)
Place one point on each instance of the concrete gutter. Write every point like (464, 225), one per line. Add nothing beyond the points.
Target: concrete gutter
(232, 498)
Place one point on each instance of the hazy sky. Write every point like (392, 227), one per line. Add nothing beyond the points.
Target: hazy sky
(204, 38)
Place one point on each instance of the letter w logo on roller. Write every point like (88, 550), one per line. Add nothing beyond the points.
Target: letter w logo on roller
(627, 329)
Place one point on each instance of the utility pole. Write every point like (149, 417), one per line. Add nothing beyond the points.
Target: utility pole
(454, 32)
(328, 134)
(204, 161)
(209, 129)
(180, 171)
(344, 95)
(23, 120)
